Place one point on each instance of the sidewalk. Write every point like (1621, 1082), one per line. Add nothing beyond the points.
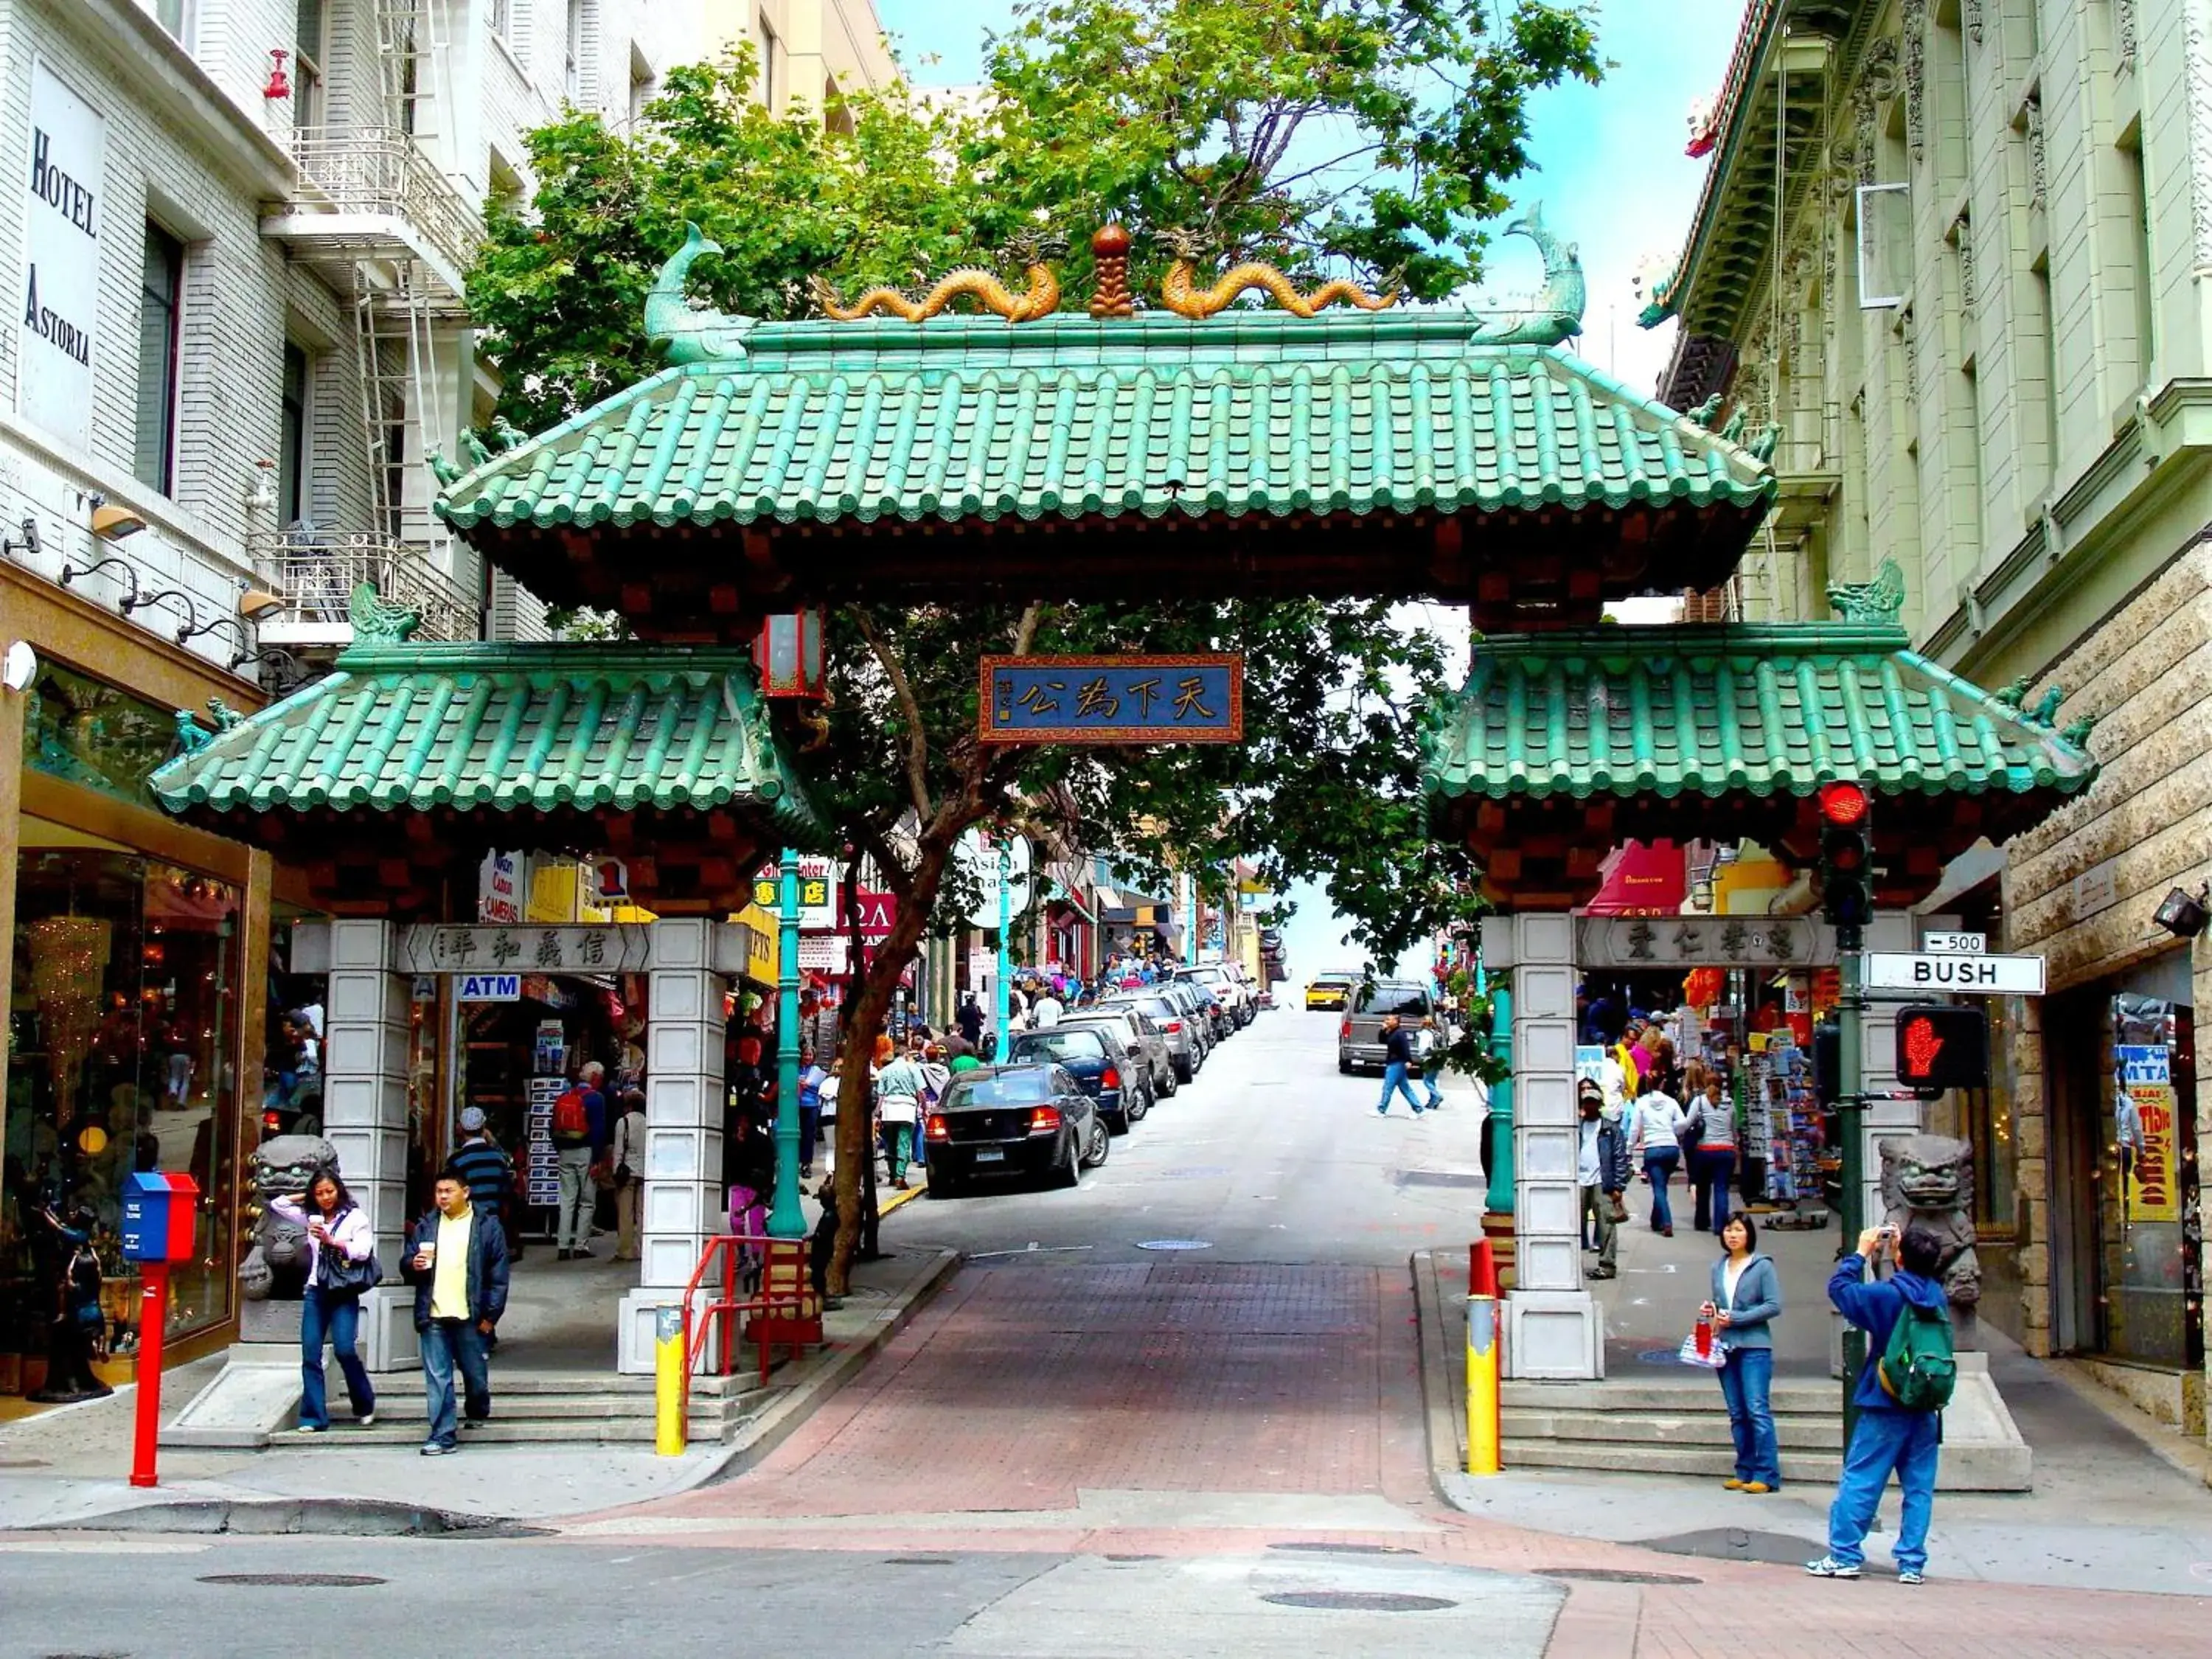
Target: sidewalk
(68, 1466)
(2113, 1508)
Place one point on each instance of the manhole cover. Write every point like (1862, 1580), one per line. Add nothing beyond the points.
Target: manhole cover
(917, 1560)
(1359, 1601)
(1659, 1356)
(295, 1580)
(1175, 1244)
(1441, 1178)
(1614, 1576)
(1310, 1546)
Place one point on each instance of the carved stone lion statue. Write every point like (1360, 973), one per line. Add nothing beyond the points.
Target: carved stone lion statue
(1928, 1181)
(275, 1269)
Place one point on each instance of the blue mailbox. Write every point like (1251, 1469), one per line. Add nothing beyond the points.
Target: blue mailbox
(159, 1213)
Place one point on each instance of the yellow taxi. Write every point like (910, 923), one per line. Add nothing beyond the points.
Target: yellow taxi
(1330, 990)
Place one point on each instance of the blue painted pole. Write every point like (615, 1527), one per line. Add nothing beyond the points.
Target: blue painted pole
(1499, 1127)
(785, 1218)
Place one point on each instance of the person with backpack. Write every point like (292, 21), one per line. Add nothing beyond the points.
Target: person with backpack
(1910, 1371)
(580, 1139)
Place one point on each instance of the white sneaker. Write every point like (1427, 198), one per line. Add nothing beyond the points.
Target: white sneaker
(365, 1420)
(1828, 1567)
(1906, 1576)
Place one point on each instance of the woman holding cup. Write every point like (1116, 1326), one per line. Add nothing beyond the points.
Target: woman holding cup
(336, 1230)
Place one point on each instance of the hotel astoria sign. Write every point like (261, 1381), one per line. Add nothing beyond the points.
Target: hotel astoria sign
(63, 210)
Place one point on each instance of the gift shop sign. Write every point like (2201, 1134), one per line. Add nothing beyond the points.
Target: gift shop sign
(64, 210)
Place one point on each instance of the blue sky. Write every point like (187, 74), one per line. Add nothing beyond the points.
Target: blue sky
(1610, 171)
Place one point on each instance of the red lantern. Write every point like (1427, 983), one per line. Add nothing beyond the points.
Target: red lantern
(788, 654)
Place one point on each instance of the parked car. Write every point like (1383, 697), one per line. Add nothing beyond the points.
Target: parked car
(1140, 1034)
(1359, 1036)
(1331, 990)
(1198, 1001)
(1226, 988)
(1178, 1027)
(1012, 1119)
(1092, 1052)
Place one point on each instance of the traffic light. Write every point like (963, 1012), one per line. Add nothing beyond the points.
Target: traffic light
(1942, 1046)
(1846, 860)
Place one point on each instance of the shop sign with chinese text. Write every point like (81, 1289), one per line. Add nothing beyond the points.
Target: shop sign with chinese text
(1701, 942)
(1101, 700)
(621, 947)
(2148, 1123)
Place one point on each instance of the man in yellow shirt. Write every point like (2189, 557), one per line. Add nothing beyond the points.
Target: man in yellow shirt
(456, 1260)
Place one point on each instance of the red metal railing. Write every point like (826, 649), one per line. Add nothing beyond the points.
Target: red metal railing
(737, 1254)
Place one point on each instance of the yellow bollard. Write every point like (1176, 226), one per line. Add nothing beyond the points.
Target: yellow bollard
(668, 1361)
(1482, 1385)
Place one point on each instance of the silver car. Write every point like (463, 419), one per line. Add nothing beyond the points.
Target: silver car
(1359, 1034)
(1177, 1025)
(1139, 1035)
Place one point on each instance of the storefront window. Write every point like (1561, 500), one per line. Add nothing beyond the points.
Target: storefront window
(1989, 1123)
(85, 732)
(122, 1029)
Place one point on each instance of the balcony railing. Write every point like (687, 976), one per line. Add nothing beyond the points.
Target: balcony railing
(382, 170)
(316, 571)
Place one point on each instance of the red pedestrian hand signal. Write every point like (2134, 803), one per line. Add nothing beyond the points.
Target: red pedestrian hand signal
(1921, 1045)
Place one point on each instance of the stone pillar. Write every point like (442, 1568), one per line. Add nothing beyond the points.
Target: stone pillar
(365, 1114)
(1554, 1329)
(685, 1204)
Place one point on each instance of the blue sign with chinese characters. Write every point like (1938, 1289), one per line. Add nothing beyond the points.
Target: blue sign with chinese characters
(1198, 699)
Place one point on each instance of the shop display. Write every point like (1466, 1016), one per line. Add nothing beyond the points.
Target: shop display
(541, 1161)
(1796, 1131)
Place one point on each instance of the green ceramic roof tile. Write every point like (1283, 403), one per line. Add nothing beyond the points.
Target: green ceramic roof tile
(967, 418)
(1720, 710)
(507, 728)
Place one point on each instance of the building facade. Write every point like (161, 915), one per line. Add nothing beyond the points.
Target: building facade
(234, 252)
(1953, 266)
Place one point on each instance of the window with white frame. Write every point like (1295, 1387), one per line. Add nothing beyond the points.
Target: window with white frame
(571, 81)
(310, 47)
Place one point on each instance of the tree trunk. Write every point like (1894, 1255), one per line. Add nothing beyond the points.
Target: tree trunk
(864, 1022)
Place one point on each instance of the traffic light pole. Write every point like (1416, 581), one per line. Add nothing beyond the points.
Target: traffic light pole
(1850, 1111)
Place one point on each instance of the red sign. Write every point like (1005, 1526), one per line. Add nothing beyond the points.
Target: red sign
(876, 911)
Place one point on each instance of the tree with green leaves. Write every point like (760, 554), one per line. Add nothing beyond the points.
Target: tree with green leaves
(1368, 134)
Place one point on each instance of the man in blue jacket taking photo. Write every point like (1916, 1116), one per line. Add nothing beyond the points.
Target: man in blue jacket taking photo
(1900, 1396)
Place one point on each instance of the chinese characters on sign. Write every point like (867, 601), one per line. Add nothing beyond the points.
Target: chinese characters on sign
(612, 948)
(1112, 700)
(1703, 941)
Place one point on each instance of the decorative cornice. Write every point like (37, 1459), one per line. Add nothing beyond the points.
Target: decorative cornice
(1877, 85)
(2124, 31)
(2196, 56)
(1962, 239)
(1973, 12)
(1915, 23)
(2037, 173)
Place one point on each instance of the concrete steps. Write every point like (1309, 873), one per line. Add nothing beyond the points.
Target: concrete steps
(1662, 1428)
(593, 1408)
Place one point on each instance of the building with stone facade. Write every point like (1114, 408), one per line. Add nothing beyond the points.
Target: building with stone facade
(1953, 262)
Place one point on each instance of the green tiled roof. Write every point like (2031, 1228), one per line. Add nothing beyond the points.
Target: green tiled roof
(1729, 710)
(1244, 414)
(507, 728)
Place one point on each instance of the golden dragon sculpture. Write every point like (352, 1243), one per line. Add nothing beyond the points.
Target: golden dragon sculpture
(1040, 298)
(1177, 293)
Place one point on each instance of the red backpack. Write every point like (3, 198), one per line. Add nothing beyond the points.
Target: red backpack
(570, 1115)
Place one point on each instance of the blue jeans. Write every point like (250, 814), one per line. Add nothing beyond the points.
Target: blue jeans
(446, 1342)
(1712, 1169)
(1909, 1443)
(1395, 1080)
(336, 1319)
(810, 1133)
(1659, 1168)
(1745, 1382)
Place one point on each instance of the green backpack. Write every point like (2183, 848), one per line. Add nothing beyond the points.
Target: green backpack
(1919, 1367)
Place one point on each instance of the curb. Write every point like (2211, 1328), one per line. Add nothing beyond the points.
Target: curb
(900, 1200)
(1443, 1408)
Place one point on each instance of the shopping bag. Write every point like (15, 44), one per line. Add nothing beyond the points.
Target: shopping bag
(1711, 1362)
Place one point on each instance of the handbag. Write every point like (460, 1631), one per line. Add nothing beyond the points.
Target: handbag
(1711, 1362)
(338, 1274)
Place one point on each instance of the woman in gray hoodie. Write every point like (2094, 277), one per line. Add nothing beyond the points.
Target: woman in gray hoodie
(1747, 1296)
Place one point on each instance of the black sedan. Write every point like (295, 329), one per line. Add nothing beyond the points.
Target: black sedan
(1010, 1120)
(1091, 1053)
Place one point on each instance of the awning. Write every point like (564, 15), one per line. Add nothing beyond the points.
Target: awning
(1057, 894)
